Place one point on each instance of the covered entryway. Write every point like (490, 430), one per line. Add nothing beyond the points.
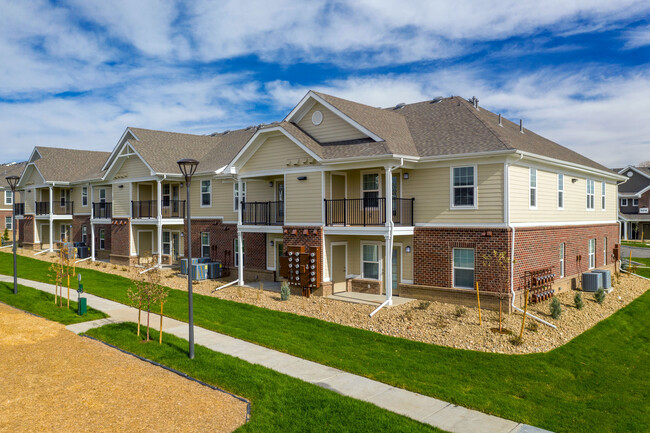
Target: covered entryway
(339, 267)
(397, 267)
(145, 244)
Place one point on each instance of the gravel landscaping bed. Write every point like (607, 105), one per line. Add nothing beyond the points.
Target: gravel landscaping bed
(429, 322)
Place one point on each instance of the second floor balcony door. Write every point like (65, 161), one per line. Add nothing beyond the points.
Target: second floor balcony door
(145, 197)
(279, 196)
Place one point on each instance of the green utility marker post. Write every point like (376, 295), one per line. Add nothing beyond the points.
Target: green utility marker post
(82, 307)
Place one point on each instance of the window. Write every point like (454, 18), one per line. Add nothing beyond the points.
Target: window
(102, 195)
(167, 244)
(9, 223)
(102, 236)
(84, 234)
(623, 202)
(635, 202)
(464, 268)
(236, 195)
(562, 249)
(605, 251)
(532, 179)
(205, 244)
(370, 190)
(9, 197)
(370, 261)
(237, 251)
(464, 187)
(206, 193)
(560, 191)
(84, 196)
(590, 194)
(62, 230)
(602, 195)
(166, 196)
(592, 253)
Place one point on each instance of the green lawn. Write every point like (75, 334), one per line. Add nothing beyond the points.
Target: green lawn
(644, 272)
(636, 244)
(279, 403)
(41, 303)
(597, 382)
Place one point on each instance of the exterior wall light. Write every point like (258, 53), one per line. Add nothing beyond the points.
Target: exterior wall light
(406, 175)
(408, 249)
(302, 177)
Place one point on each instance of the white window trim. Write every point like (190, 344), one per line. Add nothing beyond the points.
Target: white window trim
(201, 192)
(168, 195)
(451, 188)
(623, 202)
(591, 253)
(236, 253)
(204, 245)
(169, 243)
(592, 195)
(102, 239)
(9, 197)
(532, 170)
(362, 190)
(236, 195)
(84, 234)
(9, 223)
(379, 260)
(603, 195)
(562, 259)
(84, 196)
(100, 192)
(605, 251)
(560, 191)
(635, 202)
(453, 267)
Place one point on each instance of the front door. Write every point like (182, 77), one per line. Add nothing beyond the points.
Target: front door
(279, 196)
(45, 235)
(339, 271)
(396, 268)
(175, 247)
(279, 249)
(145, 244)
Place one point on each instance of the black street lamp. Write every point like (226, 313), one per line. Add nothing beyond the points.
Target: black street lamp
(188, 167)
(13, 181)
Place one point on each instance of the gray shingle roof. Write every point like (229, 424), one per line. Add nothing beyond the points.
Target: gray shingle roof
(635, 183)
(13, 169)
(70, 165)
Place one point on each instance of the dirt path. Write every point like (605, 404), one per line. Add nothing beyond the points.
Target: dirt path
(54, 380)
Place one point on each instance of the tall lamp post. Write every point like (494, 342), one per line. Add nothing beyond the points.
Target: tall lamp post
(188, 167)
(13, 181)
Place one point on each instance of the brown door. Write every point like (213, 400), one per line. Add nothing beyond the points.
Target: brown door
(338, 194)
(145, 244)
(339, 271)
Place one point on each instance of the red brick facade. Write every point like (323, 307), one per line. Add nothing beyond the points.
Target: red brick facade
(3, 218)
(77, 222)
(120, 240)
(26, 230)
(305, 236)
(102, 253)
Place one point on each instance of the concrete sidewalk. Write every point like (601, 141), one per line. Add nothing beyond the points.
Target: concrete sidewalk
(425, 409)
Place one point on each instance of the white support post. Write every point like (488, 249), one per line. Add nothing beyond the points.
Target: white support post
(240, 236)
(159, 222)
(92, 225)
(388, 261)
(625, 230)
(51, 219)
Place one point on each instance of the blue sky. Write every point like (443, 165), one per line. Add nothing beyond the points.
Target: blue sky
(76, 73)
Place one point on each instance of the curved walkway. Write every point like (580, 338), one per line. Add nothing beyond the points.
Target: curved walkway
(422, 408)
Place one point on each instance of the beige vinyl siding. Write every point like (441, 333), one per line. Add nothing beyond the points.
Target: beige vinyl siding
(34, 178)
(431, 189)
(29, 200)
(136, 238)
(353, 254)
(76, 199)
(331, 129)
(303, 202)
(195, 198)
(575, 198)
(121, 200)
(133, 168)
(407, 258)
(258, 190)
(109, 193)
(222, 199)
(276, 153)
(271, 251)
(2, 201)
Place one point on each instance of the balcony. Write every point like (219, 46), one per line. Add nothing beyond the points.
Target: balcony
(265, 213)
(367, 211)
(103, 210)
(149, 209)
(58, 208)
(19, 209)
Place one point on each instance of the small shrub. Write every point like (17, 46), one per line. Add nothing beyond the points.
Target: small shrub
(577, 299)
(532, 326)
(556, 308)
(124, 269)
(284, 291)
(600, 296)
(5, 236)
(423, 305)
(460, 311)
(114, 267)
(516, 341)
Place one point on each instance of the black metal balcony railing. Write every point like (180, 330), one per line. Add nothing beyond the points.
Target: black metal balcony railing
(19, 209)
(267, 213)
(42, 208)
(58, 208)
(103, 210)
(369, 211)
(149, 209)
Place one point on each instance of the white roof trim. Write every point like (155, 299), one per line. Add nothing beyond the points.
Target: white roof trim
(631, 167)
(29, 161)
(345, 117)
(108, 173)
(573, 165)
(115, 151)
(247, 152)
(22, 176)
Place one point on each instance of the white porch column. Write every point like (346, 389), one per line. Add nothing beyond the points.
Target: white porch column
(625, 230)
(92, 225)
(51, 215)
(240, 236)
(388, 261)
(159, 220)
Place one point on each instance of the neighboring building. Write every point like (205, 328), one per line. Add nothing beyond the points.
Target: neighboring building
(7, 199)
(416, 195)
(634, 202)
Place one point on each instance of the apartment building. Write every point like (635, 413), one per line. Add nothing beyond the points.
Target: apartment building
(7, 199)
(634, 202)
(410, 200)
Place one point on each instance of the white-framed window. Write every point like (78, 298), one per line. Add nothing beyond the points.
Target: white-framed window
(62, 233)
(236, 199)
(84, 196)
(604, 250)
(102, 195)
(602, 195)
(590, 194)
(236, 249)
(205, 244)
(562, 252)
(560, 191)
(370, 190)
(532, 188)
(623, 202)
(463, 263)
(102, 238)
(9, 197)
(592, 253)
(84, 234)
(463, 185)
(370, 261)
(9, 223)
(635, 202)
(166, 195)
(206, 193)
(167, 243)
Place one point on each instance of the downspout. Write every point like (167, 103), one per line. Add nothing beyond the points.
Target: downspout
(159, 222)
(512, 250)
(51, 217)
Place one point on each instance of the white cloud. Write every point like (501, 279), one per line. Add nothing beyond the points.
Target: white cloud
(639, 37)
